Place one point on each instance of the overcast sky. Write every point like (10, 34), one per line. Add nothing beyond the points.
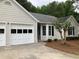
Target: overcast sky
(43, 2)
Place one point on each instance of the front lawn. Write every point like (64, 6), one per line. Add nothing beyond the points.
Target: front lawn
(70, 46)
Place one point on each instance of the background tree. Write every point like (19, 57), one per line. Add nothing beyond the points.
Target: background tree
(51, 8)
(27, 5)
(69, 8)
(60, 10)
(57, 9)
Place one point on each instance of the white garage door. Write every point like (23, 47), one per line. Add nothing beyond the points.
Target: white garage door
(21, 34)
(2, 35)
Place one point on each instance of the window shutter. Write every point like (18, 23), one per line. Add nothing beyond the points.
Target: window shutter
(52, 30)
(73, 31)
(44, 30)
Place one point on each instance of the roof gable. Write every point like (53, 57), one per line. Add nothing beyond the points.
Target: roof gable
(11, 11)
(72, 19)
(64, 18)
(24, 10)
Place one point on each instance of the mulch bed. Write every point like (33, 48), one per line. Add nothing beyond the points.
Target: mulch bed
(70, 46)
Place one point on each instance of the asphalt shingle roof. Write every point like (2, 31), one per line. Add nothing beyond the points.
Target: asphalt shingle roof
(44, 18)
(64, 18)
(47, 18)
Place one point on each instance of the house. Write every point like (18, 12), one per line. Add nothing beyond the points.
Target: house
(18, 26)
(46, 29)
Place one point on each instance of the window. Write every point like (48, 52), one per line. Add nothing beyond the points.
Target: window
(19, 31)
(30, 31)
(24, 30)
(13, 31)
(44, 30)
(51, 30)
(1, 30)
(71, 31)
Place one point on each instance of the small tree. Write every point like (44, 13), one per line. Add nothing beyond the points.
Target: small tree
(58, 26)
(62, 25)
(65, 26)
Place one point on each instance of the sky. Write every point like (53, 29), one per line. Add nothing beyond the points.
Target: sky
(43, 2)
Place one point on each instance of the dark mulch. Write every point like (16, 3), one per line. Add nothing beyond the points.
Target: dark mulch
(70, 46)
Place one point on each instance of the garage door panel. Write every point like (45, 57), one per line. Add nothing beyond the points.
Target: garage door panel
(2, 35)
(2, 40)
(22, 38)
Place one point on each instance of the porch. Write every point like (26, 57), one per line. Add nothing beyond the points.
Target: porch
(48, 31)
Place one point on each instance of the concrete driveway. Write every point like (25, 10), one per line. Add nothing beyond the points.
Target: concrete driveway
(33, 51)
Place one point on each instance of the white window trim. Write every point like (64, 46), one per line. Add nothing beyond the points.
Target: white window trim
(51, 30)
(72, 33)
(44, 30)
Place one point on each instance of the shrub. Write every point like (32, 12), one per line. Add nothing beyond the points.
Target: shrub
(55, 39)
(72, 38)
(49, 40)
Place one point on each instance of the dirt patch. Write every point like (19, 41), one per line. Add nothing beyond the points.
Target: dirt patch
(70, 46)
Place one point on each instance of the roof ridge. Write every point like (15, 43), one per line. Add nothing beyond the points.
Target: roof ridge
(43, 14)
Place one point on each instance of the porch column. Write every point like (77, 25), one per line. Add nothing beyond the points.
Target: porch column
(7, 33)
(41, 32)
(47, 31)
(35, 33)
